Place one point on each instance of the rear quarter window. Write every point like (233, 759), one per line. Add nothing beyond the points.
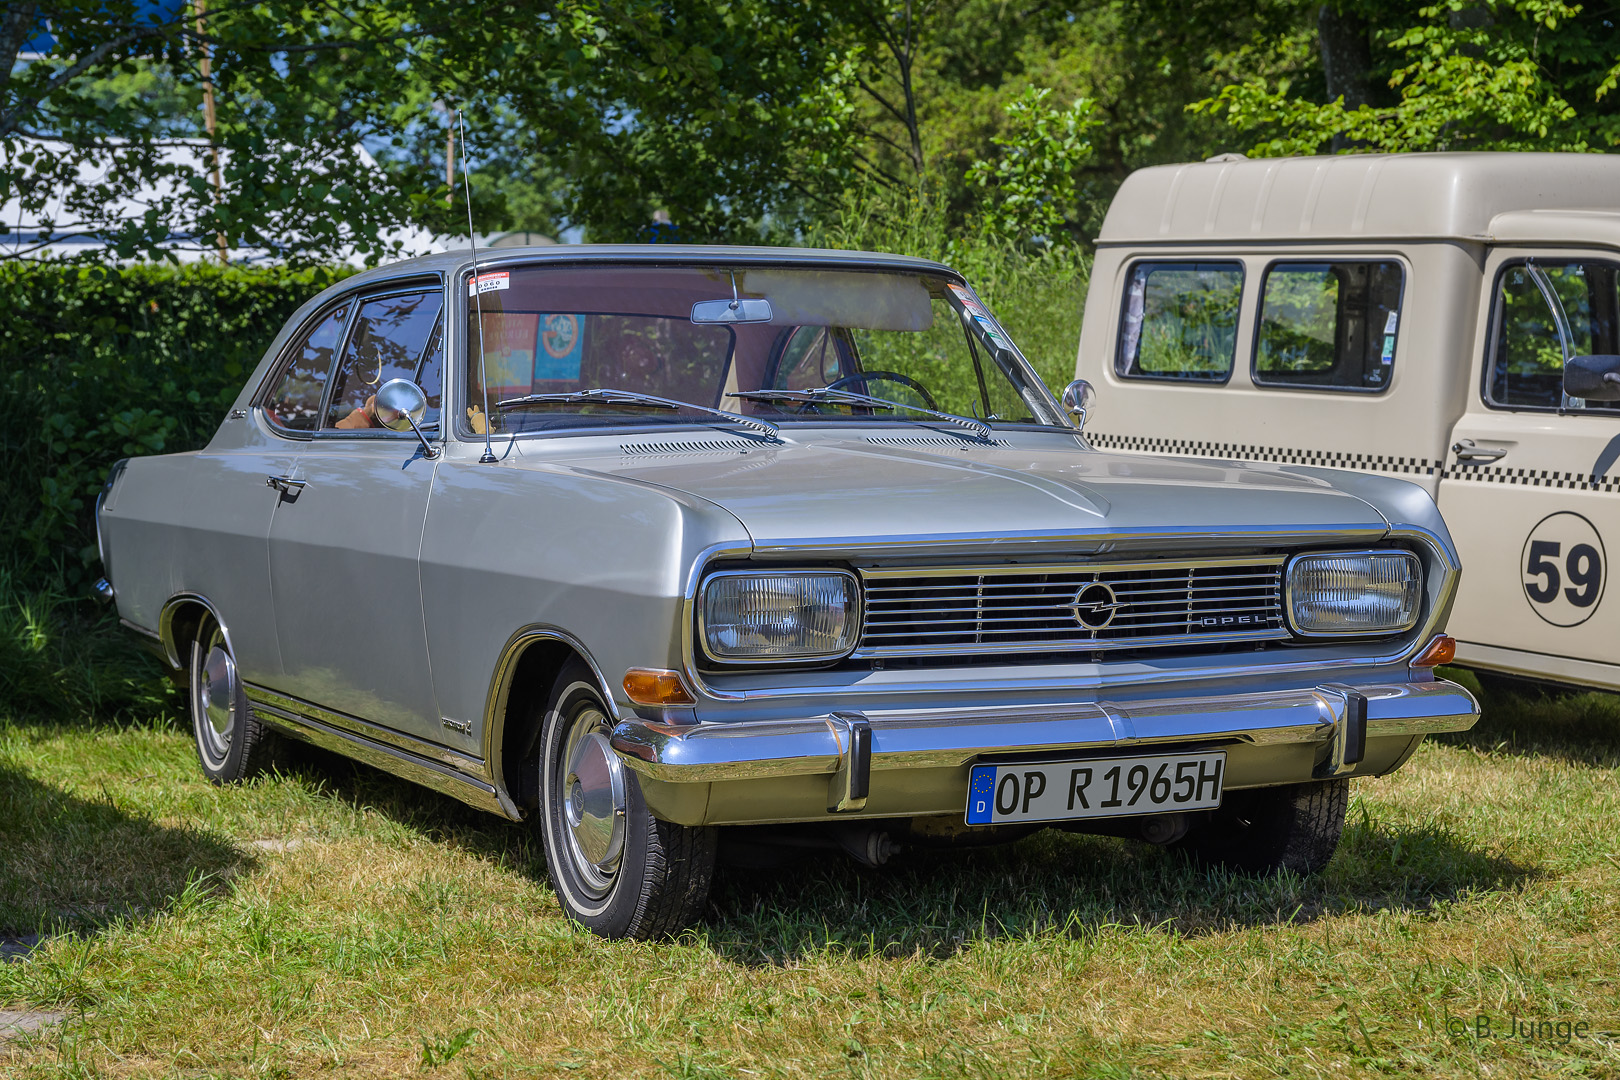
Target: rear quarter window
(1180, 321)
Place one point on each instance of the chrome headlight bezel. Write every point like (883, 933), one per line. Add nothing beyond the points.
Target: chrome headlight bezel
(854, 618)
(1415, 586)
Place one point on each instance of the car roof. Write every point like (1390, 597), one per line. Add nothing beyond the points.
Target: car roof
(1444, 196)
(451, 262)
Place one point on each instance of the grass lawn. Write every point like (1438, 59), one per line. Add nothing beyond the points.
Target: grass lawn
(335, 921)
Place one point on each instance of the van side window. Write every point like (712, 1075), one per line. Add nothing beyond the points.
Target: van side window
(1180, 321)
(1328, 326)
(1526, 363)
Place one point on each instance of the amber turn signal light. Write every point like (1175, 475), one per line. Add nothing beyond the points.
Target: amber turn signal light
(653, 686)
(1442, 650)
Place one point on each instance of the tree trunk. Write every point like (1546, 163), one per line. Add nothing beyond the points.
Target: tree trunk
(16, 27)
(1346, 60)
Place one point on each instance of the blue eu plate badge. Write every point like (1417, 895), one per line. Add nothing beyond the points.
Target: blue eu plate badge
(981, 794)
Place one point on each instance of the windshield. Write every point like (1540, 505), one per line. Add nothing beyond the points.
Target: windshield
(914, 339)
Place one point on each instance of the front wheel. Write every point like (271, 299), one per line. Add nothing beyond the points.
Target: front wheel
(1263, 830)
(617, 870)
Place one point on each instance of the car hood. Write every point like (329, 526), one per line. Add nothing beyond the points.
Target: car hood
(857, 494)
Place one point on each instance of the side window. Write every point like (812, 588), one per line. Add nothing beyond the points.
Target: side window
(1328, 326)
(1180, 321)
(394, 337)
(1526, 363)
(294, 400)
(810, 357)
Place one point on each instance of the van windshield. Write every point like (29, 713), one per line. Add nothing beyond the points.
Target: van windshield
(915, 339)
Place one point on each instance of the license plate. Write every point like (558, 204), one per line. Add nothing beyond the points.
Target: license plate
(1096, 788)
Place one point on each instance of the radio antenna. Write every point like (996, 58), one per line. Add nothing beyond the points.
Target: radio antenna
(478, 294)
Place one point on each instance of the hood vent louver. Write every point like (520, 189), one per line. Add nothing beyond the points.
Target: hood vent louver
(686, 447)
(931, 440)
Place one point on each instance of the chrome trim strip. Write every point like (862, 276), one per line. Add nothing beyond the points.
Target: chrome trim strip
(1019, 569)
(726, 549)
(495, 701)
(1085, 542)
(135, 628)
(171, 648)
(365, 729)
(401, 763)
(949, 738)
(1078, 646)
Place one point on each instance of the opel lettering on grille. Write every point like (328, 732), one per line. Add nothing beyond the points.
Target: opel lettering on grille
(1215, 622)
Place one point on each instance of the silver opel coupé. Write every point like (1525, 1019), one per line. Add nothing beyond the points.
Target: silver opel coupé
(645, 544)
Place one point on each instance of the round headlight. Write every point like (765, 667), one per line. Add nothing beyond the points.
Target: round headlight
(1354, 592)
(763, 616)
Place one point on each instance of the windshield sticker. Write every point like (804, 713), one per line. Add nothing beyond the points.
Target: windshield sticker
(1389, 323)
(495, 281)
(1388, 356)
(994, 334)
(562, 344)
(968, 301)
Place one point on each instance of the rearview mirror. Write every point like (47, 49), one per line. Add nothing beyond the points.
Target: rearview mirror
(1595, 378)
(729, 312)
(399, 406)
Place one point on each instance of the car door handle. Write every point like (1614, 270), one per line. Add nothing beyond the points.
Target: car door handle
(1467, 451)
(285, 484)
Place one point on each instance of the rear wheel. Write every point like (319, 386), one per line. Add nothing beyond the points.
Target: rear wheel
(616, 869)
(232, 745)
(1263, 830)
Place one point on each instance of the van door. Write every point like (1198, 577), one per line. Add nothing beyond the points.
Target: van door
(1531, 488)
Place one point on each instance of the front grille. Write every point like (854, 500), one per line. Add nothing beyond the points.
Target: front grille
(1071, 608)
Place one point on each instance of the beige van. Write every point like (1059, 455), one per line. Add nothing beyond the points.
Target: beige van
(1407, 314)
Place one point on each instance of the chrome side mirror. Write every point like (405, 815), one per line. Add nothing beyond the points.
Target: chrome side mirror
(1594, 378)
(400, 405)
(1076, 400)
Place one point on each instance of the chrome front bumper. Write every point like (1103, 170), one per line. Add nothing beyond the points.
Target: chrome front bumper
(1329, 730)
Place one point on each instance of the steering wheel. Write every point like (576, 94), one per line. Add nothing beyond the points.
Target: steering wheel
(864, 378)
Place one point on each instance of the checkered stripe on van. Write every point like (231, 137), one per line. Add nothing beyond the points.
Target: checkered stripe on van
(1548, 478)
(1327, 459)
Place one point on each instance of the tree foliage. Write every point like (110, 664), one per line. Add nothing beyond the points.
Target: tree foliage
(1464, 75)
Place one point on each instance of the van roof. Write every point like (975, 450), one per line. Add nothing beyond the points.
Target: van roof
(1360, 196)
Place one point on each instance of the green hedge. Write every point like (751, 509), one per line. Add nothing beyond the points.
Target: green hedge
(101, 363)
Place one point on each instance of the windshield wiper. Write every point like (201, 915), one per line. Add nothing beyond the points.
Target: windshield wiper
(603, 396)
(846, 397)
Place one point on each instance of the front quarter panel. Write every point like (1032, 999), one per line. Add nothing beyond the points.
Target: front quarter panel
(601, 559)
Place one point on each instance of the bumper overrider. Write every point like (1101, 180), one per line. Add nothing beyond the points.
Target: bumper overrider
(915, 762)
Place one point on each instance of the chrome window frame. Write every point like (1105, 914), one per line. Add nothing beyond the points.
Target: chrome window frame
(461, 431)
(418, 281)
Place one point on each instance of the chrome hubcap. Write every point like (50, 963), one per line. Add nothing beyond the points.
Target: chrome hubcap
(593, 802)
(216, 702)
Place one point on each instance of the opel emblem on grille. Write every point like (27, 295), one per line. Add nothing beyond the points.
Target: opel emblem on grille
(1095, 605)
